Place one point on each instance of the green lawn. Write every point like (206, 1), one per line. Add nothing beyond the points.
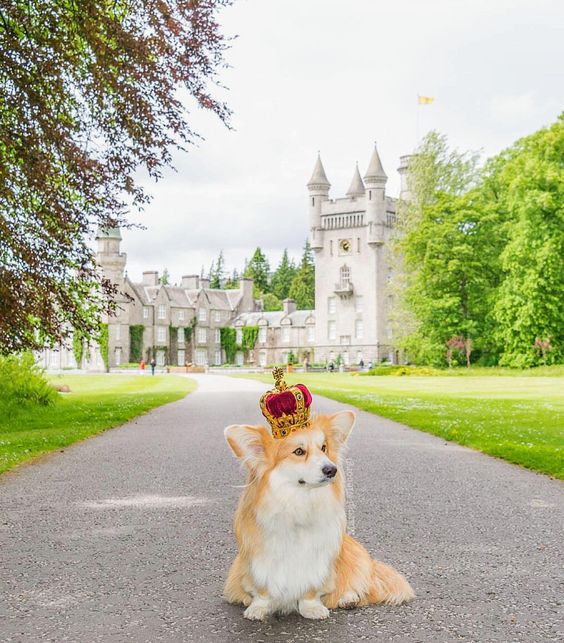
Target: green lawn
(518, 418)
(95, 403)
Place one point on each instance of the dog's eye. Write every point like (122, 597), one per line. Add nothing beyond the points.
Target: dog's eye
(299, 451)
(324, 448)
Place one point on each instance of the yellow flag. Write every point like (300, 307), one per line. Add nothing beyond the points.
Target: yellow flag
(425, 100)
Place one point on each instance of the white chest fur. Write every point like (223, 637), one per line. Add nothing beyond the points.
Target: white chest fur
(302, 531)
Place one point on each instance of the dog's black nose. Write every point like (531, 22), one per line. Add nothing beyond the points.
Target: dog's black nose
(329, 470)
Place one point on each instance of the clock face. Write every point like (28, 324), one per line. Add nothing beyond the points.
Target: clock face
(345, 246)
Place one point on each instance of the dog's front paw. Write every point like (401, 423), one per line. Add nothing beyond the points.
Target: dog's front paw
(313, 609)
(257, 611)
(348, 601)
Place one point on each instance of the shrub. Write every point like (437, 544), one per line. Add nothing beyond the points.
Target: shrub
(403, 370)
(22, 383)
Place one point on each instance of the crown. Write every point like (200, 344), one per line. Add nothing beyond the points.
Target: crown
(286, 408)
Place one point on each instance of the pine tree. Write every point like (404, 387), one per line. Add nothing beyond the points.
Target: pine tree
(283, 277)
(258, 270)
(302, 290)
(232, 282)
(217, 271)
(165, 278)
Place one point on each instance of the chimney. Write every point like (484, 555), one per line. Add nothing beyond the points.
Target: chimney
(204, 282)
(247, 300)
(289, 306)
(151, 278)
(190, 282)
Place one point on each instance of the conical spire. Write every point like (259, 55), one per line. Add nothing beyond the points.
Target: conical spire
(375, 170)
(357, 186)
(318, 178)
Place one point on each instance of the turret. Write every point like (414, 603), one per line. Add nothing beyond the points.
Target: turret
(356, 188)
(375, 181)
(109, 258)
(403, 171)
(318, 188)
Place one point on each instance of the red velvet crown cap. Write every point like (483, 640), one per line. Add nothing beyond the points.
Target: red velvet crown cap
(284, 403)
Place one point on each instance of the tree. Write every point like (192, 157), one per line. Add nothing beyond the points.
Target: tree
(217, 271)
(164, 279)
(529, 309)
(258, 270)
(302, 290)
(271, 302)
(89, 96)
(283, 277)
(232, 282)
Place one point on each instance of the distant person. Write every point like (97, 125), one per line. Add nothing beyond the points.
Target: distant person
(153, 366)
(361, 364)
(331, 367)
(370, 365)
(142, 366)
(306, 362)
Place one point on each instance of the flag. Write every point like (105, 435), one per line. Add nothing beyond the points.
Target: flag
(425, 100)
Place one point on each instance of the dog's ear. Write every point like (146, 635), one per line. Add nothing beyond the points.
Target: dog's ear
(246, 442)
(342, 424)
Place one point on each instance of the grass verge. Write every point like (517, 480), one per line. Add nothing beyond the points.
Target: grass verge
(519, 419)
(95, 403)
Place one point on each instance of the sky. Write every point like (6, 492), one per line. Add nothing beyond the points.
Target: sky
(335, 77)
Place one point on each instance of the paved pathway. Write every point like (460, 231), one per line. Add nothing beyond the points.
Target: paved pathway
(127, 536)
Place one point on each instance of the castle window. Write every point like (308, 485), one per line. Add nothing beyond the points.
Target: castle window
(201, 357)
(180, 338)
(239, 336)
(332, 331)
(145, 312)
(359, 304)
(285, 334)
(310, 333)
(181, 315)
(217, 336)
(345, 276)
(202, 314)
(217, 360)
(359, 329)
(262, 335)
(162, 311)
(217, 316)
(331, 305)
(161, 333)
(181, 357)
(202, 336)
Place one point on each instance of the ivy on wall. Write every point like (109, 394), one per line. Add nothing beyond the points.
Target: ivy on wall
(189, 330)
(228, 343)
(78, 347)
(103, 344)
(136, 342)
(250, 335)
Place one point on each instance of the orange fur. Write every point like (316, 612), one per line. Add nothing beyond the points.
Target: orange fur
(353, 578)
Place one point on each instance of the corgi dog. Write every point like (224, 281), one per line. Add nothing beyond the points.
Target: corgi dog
(293, 550)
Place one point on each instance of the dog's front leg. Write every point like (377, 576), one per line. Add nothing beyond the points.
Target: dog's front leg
(310, 606)
(259, 608)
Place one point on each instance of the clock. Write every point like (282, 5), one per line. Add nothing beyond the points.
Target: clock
(345, 246)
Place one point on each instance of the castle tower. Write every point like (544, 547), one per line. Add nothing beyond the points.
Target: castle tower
(403, 171)
(349, 236)
(375, 180)
(318, 187)
(109, 258)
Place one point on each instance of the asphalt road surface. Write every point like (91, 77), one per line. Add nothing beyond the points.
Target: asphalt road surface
(127, 536)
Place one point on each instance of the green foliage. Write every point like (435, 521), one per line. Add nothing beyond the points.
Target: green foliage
(232, 282)
(164, 279)
(530, 303)
(136, 342)
(271, 302)
(250, 335)
(78, 340)
(258, 269)
(22, 384)
(282, 279)
(302, 289)
(399, 370)
(103, 344)
(217, 271)
(189, 330)
(228, 343)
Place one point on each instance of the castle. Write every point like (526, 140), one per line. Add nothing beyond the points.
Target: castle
(182, 324)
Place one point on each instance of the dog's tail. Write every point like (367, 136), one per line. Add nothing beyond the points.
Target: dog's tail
(388, 586)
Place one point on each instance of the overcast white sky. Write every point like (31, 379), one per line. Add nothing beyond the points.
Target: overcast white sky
(335, 76)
